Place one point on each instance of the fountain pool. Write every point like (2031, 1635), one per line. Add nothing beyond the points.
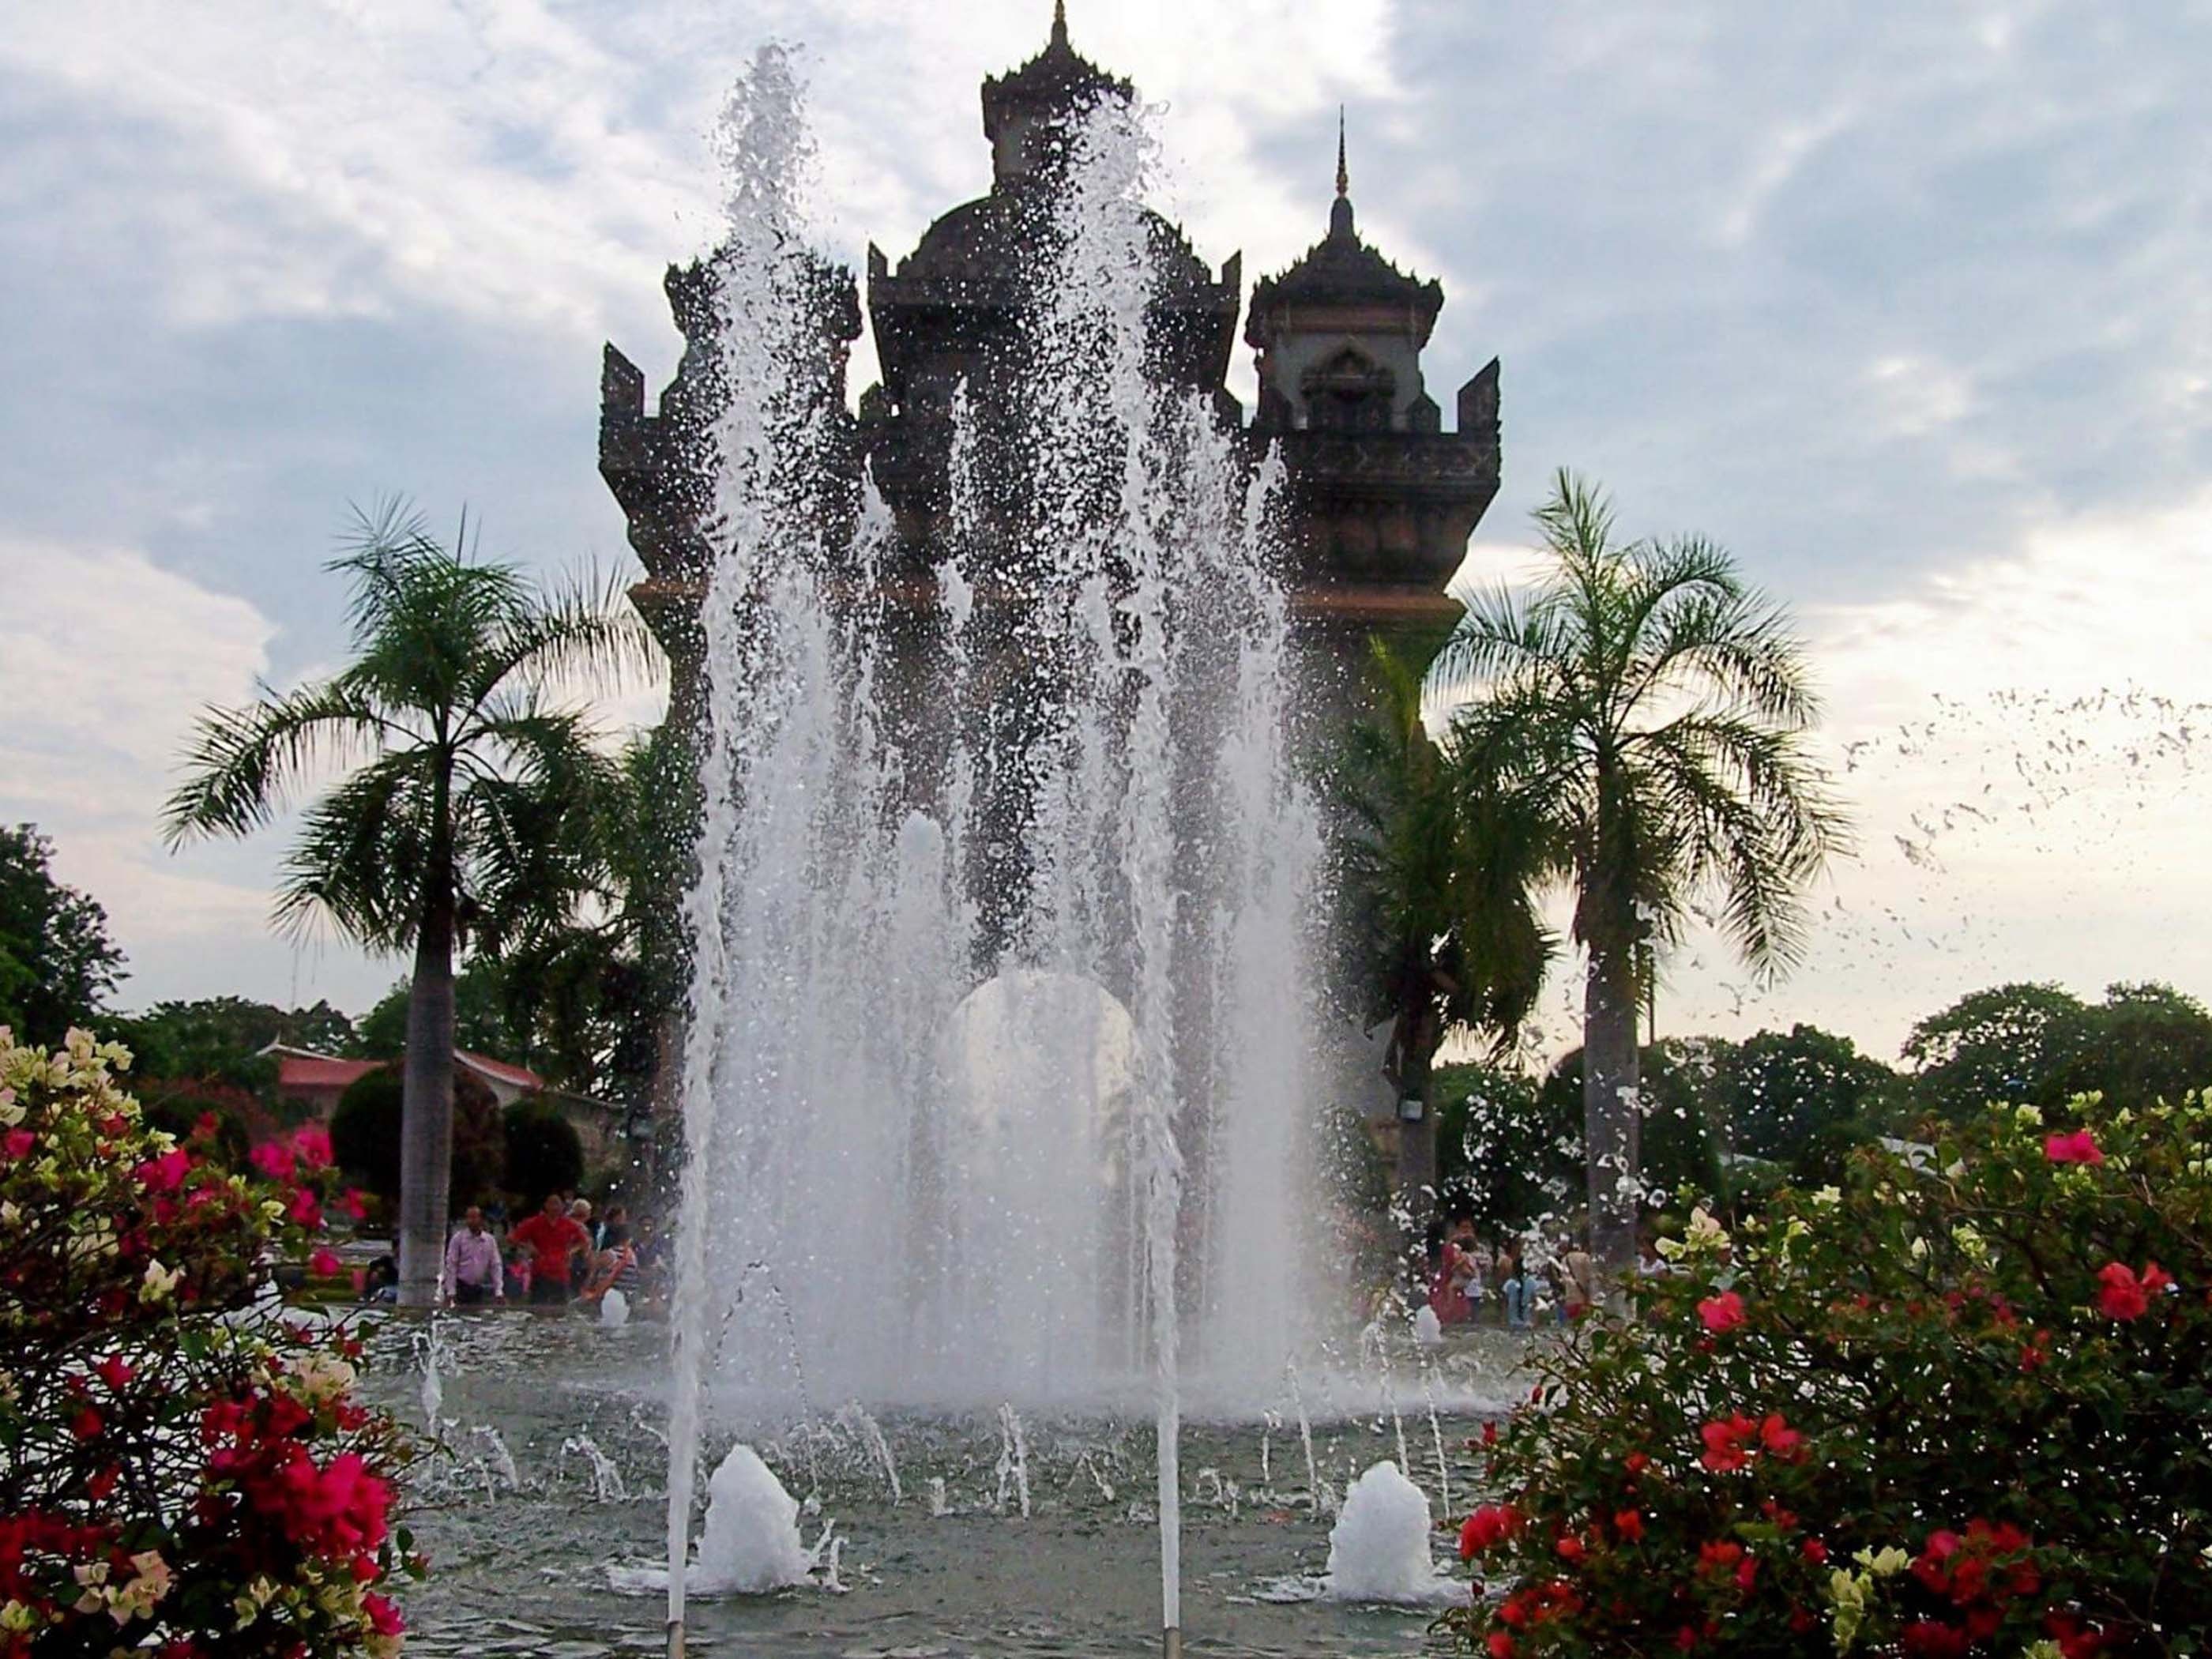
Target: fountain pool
(525, 1553)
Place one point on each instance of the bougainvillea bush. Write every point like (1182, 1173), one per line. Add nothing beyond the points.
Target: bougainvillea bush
(1957, 1406)
(183, 1471)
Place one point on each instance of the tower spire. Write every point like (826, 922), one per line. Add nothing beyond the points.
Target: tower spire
(1059, 22)
(1343, 178)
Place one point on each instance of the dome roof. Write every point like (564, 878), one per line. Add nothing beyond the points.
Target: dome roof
(997, 236)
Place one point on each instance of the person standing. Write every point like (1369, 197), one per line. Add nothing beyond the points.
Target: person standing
(473, 1273)
(552, 1238)
(1579, 1294)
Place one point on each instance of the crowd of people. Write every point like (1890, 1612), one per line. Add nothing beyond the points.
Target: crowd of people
(1528, 1281)
(554, 1256)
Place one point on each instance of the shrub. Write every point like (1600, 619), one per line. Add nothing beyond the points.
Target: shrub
(1955, 1410)
(365, 1127)
(544, 1154)
(181, 1471)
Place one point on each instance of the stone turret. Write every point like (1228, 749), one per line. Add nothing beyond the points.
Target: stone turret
(1385, 499)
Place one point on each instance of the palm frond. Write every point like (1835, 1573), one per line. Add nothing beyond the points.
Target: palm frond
(243, 763)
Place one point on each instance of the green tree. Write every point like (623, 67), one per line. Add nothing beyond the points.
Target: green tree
(543, 1152)
(2039, 1044)
(1782, 1092)
(1442, 917)
(57, 964)
(1649, 710)
(467, 805)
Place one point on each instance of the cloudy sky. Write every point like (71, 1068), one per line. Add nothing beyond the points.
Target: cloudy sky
(1910, 306)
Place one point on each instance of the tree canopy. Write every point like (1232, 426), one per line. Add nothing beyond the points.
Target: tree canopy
(58, 965)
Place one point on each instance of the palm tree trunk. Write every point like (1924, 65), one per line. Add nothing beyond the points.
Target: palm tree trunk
(1417, 1141)
(1610, 1116)
(426, 1133)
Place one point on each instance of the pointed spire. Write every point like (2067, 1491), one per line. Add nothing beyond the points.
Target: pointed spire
(1339, 210)
(1059, 23)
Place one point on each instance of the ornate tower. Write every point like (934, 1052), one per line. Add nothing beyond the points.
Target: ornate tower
(1384, 498)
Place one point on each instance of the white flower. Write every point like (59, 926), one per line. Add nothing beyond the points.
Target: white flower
(11, 1114)
(160, 1282)
(1885, 1563)
(1829, 1197)
(2029, 1117)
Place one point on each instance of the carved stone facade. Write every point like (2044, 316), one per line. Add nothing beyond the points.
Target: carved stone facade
(1382, 499)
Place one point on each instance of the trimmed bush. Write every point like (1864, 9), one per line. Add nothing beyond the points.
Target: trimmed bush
(544, 1154)
(365, 1129)
(1954, 1406)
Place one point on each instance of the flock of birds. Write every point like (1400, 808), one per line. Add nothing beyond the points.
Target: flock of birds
(2019, 835)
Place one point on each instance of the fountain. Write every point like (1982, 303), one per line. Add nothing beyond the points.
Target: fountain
(996, 1021)
(1378, 1551)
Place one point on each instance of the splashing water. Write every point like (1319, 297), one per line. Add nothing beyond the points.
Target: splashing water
(607, 1484)
(1000, 987)
(1378, 1549)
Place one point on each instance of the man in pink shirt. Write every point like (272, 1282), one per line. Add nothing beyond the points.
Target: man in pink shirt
(473, 1273)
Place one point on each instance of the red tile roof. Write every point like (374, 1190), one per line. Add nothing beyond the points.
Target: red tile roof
(500, 1069)
(298, 1071)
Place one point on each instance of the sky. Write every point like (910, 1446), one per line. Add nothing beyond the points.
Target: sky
(1909, 305)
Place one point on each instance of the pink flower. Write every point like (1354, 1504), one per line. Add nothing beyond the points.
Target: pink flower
(166, 1173)
(325, 1264)
(2080, 1148)
(383, 1617)
(17, 1144)
(312, 1146)
(1722, 1313)
(351, 1202)
(2126, 1295)
(274, 1159)
(304, 1210)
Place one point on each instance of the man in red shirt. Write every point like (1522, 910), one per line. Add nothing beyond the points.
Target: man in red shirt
(550, 1237)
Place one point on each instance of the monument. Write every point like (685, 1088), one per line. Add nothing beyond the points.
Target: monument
(1381, 498)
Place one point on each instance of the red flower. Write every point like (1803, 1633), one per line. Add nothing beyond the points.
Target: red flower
(165, 1174)
(383, 1617)
(1725, 1441)
(2126, 1295)
(1571, 1547)
(1636, 1462)
(103, 1483)
(1780, 1439)
(86, 1425)
(325, 1264)
(1719, 1556)
(1722, 1313)
(115, 1371)
(17, 1144)
(1489, 1433)
(1487, 1528)
(1746, 1569)
(1813, 1551)
(1629, 1523)
(2080, 1148)
(1500, 1643)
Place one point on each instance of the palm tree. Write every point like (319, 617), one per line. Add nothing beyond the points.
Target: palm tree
(1649, 710)
(465, 809)
(1439, 902)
